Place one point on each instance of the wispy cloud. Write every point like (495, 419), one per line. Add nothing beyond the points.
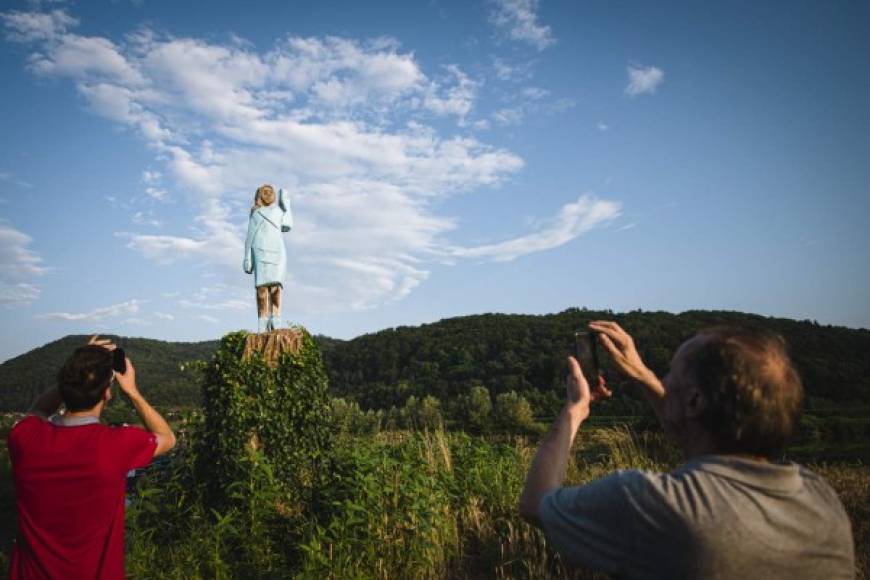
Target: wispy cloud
(643, 80)
(207, 318)
(128, 307)
(529, 100)
(141, 218)
(518, 19)
(18, 293)
(572, 220)
(9, 177)
(19, 266)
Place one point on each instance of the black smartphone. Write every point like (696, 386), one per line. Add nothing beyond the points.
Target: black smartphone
(119, 360)
(586, 353)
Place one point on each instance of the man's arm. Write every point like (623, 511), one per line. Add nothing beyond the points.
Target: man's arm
(550, 463)
(621, 347)
(551, 460)
(153, 421)
(46, 404)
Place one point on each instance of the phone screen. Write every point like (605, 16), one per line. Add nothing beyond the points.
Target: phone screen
(586, 352)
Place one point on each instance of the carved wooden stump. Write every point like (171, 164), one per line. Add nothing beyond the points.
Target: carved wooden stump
(271, 345)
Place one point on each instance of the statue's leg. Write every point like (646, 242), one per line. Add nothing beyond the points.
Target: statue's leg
(262, 308)
(275, 295)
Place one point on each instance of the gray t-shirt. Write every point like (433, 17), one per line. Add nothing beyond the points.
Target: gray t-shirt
(714, 517)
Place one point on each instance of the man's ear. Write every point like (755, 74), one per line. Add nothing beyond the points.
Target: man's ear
(107, 395)
(695, 403)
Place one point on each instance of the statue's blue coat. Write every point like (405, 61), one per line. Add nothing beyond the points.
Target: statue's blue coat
(265, 254)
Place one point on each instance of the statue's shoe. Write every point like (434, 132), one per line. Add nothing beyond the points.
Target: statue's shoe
(263, 325)
(274, 322)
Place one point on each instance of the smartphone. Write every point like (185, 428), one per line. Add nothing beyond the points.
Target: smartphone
(586, 353)
(119, 360)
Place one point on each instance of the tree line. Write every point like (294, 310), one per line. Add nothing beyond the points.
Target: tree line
(454, 361)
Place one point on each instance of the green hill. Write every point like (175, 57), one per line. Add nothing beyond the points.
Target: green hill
(526, 354)
(157, 369)
(503, 352)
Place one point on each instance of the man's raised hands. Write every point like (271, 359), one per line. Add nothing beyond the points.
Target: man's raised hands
(621, 347)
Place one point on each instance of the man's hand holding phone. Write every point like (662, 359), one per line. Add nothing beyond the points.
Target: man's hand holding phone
(584, 383)
(127, 379)
(579, 393)
(621, 347)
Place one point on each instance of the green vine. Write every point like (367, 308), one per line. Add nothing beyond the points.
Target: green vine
(256, 413)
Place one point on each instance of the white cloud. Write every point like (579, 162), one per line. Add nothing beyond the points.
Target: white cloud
(602, 126)
(153, 185)
(508, 116)
(17, 260)
(207, 318)
(163, 316)
(457, 98)
(534, 93)
(573, 220)
(19, 265)
(128, 307)
(141, 218)
(519, 20)
(643, 80)
(33, 26)
(347, 126)
(503, 70)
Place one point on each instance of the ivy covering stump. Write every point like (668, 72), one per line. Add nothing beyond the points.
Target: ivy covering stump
(271, 389)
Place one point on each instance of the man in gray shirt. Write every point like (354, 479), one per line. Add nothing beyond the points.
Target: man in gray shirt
(731, 401)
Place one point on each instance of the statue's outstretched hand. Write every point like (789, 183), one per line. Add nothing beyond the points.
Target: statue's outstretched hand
(248, 267)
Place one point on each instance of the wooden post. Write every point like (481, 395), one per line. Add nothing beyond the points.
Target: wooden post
(271, 345)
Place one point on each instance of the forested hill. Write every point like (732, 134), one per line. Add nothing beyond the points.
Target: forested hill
(503, 352)
(526, 354)
(157, 363)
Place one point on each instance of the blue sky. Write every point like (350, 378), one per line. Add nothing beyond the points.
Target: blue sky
(443, 158)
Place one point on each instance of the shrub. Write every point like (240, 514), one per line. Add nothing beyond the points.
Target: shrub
(513, 413)
(349, 419)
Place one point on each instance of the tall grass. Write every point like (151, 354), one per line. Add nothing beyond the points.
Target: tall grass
(400, 505)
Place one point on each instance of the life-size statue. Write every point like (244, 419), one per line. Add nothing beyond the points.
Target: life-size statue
(265, 255)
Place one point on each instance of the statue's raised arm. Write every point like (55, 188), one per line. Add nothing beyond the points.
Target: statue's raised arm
(284, 204)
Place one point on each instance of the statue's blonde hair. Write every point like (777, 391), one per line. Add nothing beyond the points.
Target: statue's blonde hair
(258, 196)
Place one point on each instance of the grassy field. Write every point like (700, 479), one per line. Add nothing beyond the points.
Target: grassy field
(401, 505)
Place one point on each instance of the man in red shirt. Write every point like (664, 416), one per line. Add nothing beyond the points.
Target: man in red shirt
(70, 470)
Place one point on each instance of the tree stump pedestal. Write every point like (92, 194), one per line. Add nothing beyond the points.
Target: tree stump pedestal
(271, 345)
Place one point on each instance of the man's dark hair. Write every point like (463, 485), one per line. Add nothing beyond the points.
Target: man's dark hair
(84, 377)
(753, 391)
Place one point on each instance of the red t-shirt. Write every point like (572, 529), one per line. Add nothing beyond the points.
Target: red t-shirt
(69, 486)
